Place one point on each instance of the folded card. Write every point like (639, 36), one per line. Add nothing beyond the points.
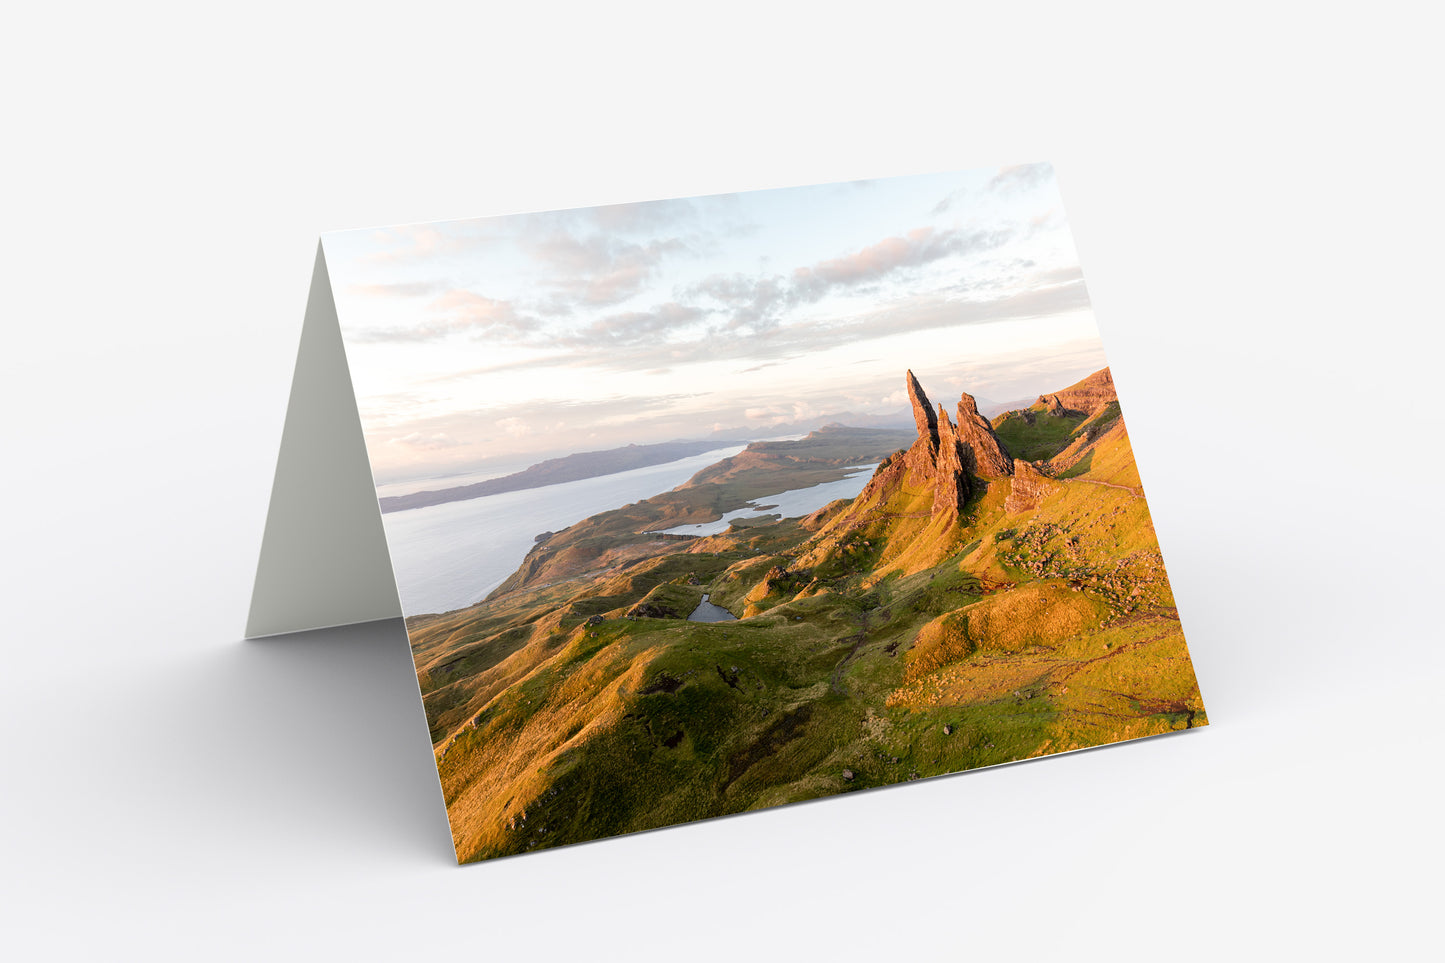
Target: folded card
(706, 505)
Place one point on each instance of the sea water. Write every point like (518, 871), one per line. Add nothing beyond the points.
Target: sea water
(452, 555)
(789, 504)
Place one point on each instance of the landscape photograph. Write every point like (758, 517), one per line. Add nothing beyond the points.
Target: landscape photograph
(707, 505)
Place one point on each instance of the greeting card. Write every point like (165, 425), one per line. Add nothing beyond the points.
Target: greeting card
(707, 505)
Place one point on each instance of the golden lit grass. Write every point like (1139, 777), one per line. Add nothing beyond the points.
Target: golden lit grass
(1113, 459)
(889, 644)
(905, 536)
(492, 773)
(1030, 615)
(742, 581)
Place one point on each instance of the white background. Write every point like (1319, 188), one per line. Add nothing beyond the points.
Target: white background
(1256, 195)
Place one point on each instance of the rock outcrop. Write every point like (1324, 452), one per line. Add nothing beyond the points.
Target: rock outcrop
(922, 454)
(951, 487)
(935, 456)
(990, 458)
(951, 460)
(1030, 487)
(923, 415)
(1084, 397)
(651, 610)
(950, 455)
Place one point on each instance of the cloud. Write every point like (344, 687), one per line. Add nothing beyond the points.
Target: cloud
(426, 442)
(1057, 276)
(644, 216)
(426, 242)
(783, 414)
(932, 312)
(714, 342)
(750, 302)
(599, 271)
(602, 269)
(631, 327)
(515, 427)
(1046, 219)
(403, 289)
(943, 206)
(918, 247)
(459, 311)
(756, 303)
(1021, 177)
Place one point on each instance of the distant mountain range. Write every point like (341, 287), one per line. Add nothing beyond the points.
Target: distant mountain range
(555, 471)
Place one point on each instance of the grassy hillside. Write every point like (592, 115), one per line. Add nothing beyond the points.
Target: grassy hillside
(878, 643)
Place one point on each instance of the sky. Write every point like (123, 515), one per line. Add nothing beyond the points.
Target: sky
(499, 341)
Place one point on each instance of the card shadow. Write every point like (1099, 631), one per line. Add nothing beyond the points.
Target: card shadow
(343, 720)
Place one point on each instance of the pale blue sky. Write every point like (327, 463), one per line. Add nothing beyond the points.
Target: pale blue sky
(504, 338)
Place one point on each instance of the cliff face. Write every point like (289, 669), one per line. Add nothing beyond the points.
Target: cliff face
(990, 458)
(922, 411)
(1030, 487)
(1086, 396)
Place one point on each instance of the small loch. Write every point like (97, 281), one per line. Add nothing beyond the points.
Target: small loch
(707, 612)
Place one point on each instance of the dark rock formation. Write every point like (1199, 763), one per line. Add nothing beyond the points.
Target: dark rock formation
(990, 458)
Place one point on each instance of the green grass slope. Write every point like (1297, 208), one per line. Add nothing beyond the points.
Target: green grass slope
(878, 644)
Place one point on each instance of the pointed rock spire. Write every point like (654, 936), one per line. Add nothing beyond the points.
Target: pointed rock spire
(990, 458)
(936, 456)
(951, 487)
(923, 415)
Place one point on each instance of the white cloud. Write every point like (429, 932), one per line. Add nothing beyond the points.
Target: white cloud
(515, 427)
(425, 441)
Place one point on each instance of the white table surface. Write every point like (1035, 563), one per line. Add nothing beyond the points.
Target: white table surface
(1256, 197)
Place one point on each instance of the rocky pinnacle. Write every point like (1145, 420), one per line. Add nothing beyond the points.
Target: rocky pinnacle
(923, 415)
(951, 487)
(990, 458)
(935, 457)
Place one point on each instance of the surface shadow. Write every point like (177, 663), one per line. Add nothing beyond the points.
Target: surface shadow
(345, 734)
